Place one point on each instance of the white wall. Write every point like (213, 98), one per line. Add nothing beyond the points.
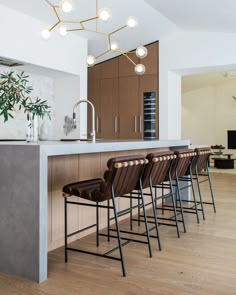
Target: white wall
(21, 40)
(207, 113)
(188, 52)
(43, 87)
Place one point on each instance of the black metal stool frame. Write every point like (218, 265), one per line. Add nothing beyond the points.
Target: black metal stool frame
(181, 208)
(116, 215)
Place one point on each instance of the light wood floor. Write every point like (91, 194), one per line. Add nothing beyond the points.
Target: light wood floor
(202, 261)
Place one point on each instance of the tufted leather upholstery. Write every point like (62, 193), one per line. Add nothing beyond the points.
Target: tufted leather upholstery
(203, 157)
(123, 173)
(184, 157)
(158, 166)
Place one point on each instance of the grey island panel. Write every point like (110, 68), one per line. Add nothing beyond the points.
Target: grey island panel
(19, 210)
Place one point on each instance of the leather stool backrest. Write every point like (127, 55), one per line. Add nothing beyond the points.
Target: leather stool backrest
(157, 168)
(123, 174)
(203, 158)
(182, 163)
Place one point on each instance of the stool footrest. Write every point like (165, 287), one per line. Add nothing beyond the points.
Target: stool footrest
(93, 253)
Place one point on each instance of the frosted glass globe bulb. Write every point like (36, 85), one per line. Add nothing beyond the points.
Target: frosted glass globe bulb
(66, 6)
(46, 34)
(132, 22)
(114, 45)
(90, 60)
(140, 69)
(63, 31)
(104, 14)
(141, 52)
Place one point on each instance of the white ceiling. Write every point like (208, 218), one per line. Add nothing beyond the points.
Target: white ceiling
(201, 15)
(155, 18)
(121, 10)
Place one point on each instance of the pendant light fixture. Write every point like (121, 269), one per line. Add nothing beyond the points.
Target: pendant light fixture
(103, 14)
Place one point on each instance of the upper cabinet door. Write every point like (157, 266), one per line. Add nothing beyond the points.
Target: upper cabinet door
(126, 67)
(94, 89)
(151, 62)
(109, 108)
(109, 69)
(129, 107)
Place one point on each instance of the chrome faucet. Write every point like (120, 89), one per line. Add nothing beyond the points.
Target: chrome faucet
(93, 134)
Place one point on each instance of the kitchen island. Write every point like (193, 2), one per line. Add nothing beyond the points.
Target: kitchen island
(32, 177)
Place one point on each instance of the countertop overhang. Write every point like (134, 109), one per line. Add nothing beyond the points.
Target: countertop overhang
(53, 148)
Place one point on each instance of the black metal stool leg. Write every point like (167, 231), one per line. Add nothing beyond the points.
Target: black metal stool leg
(212, 194)
(65, 208)
(139, 213)
(162, 200)
(200, 195)
(194, 196)
(108, 221)
(131, 213)
(180, 203)
(118, 232)
(155, 215)
(174, 208)
(145, 221)
(97, 225)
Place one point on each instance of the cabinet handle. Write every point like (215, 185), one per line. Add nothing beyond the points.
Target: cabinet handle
(135, 124)
(97, 124)
(140, 124)
(116, 124)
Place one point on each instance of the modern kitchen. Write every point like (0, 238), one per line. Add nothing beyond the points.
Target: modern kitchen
(93, 90)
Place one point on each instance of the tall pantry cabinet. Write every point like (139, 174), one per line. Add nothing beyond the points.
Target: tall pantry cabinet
(118, 93)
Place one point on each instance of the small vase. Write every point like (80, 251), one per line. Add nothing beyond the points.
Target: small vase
(32, 131)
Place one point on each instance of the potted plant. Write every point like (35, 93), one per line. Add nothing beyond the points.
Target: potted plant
(15, 94)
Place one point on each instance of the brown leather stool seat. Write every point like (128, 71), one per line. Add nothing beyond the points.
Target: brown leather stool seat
(120, 179)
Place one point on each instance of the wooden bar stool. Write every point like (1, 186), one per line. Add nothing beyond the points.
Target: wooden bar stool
(120, 179)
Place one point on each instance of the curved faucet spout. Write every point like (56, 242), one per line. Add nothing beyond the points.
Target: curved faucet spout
(93, 134)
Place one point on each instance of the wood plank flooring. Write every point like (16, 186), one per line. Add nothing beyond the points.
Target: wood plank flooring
(202, 261)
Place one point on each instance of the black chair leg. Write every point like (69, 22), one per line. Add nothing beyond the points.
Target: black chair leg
(174, 209)
(200, 196)
(97, 225)
(118, 232)
(65, 208)
(139, 213)
(194, 197)
(155, 217)
(108, 221)
(131, 213)
(162, 200)
(178, 195)
(145, 221)
(212, 194)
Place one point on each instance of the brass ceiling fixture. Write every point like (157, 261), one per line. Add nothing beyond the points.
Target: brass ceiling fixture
(103, 14)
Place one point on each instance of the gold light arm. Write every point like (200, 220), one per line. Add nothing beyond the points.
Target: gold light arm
(121, 28)
(126, 55)
(89, 19)
(54, 26)
(56, 13)
(49, 3)
(102, 54)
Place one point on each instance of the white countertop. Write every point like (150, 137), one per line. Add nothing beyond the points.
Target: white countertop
(53, 148)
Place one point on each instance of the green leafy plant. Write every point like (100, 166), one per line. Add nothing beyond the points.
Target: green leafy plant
(15, 94)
